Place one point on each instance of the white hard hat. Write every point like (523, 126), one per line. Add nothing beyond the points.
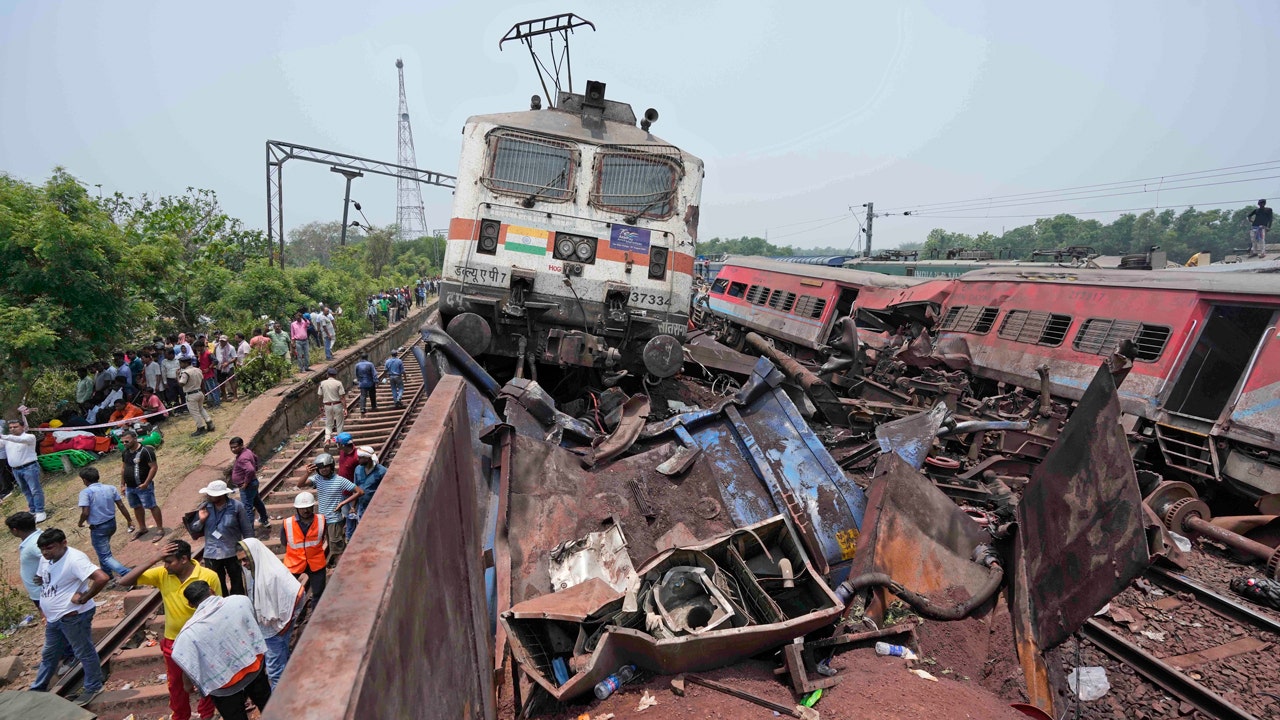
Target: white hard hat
(304, 500)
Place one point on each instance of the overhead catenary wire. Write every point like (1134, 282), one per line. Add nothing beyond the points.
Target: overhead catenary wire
(1083, 212)
(1116, 185)
(1164, 188)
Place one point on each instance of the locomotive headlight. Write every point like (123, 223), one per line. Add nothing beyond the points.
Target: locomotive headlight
(578, 248)
(657, 263)
(489, 230)
(586, 250)
(565, 248)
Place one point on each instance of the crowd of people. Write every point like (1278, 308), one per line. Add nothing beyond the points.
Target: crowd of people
(228, 616)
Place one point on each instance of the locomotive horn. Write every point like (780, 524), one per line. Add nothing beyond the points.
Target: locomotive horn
(650, 117)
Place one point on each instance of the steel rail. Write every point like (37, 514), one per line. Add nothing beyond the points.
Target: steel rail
(113, 640)
(1215, 602)
(1162, 674)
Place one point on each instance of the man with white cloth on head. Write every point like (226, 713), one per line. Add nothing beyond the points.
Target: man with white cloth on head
(277, 597)
(221, 651)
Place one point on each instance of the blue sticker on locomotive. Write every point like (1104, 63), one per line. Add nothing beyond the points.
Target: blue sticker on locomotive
(629, 239)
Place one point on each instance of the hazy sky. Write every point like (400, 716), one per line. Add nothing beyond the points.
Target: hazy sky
(800, 110)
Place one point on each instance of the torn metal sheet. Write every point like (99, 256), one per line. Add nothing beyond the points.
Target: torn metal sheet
(766, 459)
(600, 555)
(702, 348)
(915, 534)
(1081, 518)
(635, 412)
(912, 437)
(608, 636)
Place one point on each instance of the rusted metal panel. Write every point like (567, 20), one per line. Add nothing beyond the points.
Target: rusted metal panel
(915, 534)
(1080, 521)
(402, 630)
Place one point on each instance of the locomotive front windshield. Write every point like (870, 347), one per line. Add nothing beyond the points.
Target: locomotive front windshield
(531, 166)
(636, 183)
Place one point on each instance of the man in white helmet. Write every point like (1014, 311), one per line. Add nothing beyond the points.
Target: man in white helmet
(330, 488)
(303, 538)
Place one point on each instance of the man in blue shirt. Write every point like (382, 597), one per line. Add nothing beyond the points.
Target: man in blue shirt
(367, 379)
(395, 375)
(225, 522)
(98, 504)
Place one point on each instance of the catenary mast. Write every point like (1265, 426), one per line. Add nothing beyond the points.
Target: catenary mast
(411, 217)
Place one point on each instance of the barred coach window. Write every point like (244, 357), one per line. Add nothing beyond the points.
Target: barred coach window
(636, 182)
(530, 166)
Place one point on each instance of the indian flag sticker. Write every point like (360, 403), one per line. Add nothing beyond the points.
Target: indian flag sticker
(527, 240)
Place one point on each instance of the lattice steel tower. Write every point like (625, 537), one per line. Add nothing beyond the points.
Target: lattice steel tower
(411, 216)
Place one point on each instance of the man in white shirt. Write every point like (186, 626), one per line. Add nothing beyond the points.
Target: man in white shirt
(324, 324)
(68, 581)
(20, 453)
(226, 357)
(154, 373)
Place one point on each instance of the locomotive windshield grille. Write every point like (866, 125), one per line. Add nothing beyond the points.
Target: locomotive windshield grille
(529, 165)
(637, 182)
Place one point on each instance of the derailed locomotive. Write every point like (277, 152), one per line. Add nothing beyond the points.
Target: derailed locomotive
(572, 237)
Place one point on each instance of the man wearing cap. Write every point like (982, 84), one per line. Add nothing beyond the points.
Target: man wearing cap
(330, 487)
(303, 537)
(346, 462)
(368, 476)
(177, 572)
(191, 380)
(20, 453)
(331, 393)
(224, 522)
(244, 477)
(367, 379)
(224, 357)
(138, 481)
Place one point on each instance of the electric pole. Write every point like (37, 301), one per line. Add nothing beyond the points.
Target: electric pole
(871, 216)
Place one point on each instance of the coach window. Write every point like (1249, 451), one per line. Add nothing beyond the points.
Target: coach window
(1101, 336)
(737, 289)
(535, 167)
(970, 318)
(719, 285)
(639, 182)
(758, 295)
(1035, 328)
(810, 306)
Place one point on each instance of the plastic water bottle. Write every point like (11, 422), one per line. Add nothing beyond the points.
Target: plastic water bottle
(884, 648)
(606, 686)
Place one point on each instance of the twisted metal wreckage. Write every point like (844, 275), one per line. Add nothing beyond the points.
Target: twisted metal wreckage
(757, 539)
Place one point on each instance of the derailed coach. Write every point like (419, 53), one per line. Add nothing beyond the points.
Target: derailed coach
(572, 238)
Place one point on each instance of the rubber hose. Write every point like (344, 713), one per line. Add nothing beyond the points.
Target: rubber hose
(921, 604)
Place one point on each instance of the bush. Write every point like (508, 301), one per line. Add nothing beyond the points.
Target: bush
(14, 603)
(50, 393)
(262, 371)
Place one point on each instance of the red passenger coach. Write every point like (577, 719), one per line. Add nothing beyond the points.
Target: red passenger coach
(1206, 376)
(796, 305)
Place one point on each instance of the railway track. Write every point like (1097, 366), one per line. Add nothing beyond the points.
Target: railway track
(124, 648)
(1178, 618)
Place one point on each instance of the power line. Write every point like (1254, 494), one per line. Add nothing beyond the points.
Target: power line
(1081, 212)
(806, 222)
(981, 208)
(801, 232)
(1077, 188)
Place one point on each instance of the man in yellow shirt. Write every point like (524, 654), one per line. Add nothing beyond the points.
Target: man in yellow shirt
(176, 572)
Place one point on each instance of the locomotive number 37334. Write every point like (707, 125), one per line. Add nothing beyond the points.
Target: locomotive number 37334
(640, 298)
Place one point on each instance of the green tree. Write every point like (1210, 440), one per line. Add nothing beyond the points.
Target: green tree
(64, 298)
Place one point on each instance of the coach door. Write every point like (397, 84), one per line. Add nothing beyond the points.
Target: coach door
(1226, 348)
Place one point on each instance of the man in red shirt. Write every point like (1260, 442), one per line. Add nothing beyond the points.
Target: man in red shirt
(204, 358)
